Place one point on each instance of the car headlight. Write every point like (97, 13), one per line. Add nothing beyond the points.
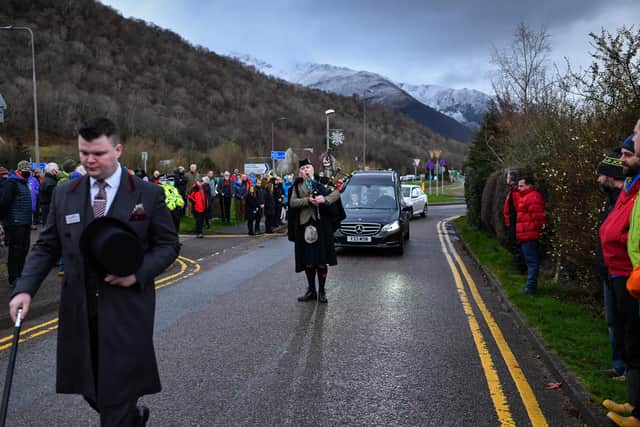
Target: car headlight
(394, 226)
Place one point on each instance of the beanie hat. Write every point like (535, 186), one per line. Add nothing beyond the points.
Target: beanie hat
(304, 162)
(628, 143)
(23, 165)
(68, 165)
(611, 166)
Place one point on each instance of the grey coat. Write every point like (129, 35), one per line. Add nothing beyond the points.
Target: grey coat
(300, 199)
(126, 361)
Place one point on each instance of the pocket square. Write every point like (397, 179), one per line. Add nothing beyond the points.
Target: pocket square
(138, 213)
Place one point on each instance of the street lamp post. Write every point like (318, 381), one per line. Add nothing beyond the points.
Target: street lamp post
(327, 114)
(273, 162)
(35, 95)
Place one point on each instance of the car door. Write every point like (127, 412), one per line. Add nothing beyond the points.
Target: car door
(417, 201)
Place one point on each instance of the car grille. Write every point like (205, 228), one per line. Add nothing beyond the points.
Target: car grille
(360, 228)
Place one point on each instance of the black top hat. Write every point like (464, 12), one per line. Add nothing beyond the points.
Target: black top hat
(112, 246)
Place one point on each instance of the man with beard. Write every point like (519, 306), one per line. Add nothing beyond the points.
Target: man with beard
(614, 235)
(610, 181)
(510, 219)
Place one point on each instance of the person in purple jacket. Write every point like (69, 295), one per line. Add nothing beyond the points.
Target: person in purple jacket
(34, 186)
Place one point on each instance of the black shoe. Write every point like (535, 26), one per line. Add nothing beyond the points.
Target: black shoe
(143, 415)
(322, 298)
(309, 296)
(251, 233)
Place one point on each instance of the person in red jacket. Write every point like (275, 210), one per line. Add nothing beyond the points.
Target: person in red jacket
(530, 221)
(199, 198)
(614, 233)
(510, 215)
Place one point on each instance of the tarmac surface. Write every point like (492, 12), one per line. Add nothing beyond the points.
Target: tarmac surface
(396, 345)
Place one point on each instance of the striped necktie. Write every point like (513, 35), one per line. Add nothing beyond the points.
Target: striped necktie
(100, 201)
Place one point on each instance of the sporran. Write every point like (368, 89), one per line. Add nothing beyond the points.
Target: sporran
(310, 234)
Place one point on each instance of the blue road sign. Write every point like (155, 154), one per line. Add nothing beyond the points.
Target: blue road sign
(277, 155)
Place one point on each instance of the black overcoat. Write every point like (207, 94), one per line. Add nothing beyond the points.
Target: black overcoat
(127, 366)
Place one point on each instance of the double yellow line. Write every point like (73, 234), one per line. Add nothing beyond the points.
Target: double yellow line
(496, 391)
(52, 325)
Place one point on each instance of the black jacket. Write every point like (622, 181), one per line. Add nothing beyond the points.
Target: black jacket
(251, 207)
(46, 189)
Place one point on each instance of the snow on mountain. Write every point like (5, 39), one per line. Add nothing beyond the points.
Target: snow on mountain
(450, 116)
(468, 106)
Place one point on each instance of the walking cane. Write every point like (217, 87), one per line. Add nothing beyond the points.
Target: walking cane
(10, 367)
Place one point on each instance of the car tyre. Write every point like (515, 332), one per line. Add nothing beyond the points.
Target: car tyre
(400, 249)
(408, 235)
(423, 214)
(411, 213)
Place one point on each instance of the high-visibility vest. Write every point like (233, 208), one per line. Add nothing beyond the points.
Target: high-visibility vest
(172, 197)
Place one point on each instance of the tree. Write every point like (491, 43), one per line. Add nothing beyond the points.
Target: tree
(521, 78)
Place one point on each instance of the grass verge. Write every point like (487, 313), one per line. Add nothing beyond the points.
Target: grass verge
(577, 334)
(444, 198)
(188, 223)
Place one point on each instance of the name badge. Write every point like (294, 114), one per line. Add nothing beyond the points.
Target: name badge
(72, 219)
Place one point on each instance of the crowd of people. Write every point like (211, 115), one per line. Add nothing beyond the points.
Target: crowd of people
(25, 197)
(618, 176)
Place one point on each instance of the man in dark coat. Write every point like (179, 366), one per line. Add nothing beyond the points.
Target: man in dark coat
(15, 204)
(181, 184)
(224, 191)
(105, 338)
(46, 189)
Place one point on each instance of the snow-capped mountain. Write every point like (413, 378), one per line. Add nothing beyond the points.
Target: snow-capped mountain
(448, 115)
(467, 106)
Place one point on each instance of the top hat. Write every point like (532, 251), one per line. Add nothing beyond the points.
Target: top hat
(112, 247)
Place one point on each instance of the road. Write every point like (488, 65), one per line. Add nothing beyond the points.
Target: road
(405, 340)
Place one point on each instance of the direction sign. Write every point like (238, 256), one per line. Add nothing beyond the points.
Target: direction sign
(278, 155)
(256, 168)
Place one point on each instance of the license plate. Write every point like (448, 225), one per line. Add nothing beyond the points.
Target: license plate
(359, 239)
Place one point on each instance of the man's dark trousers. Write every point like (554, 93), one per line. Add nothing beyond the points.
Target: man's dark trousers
(225, 208)
(18, 240)
(532, 258)
(627, 326)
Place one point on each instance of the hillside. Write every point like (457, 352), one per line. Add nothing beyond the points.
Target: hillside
(174, 100)
(379, 90)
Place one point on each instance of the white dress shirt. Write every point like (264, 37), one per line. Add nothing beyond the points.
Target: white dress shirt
(113, 182)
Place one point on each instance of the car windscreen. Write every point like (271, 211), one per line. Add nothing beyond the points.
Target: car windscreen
(369, 196)
(406, 191)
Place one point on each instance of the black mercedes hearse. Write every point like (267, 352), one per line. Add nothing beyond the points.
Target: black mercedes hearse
(377, 216)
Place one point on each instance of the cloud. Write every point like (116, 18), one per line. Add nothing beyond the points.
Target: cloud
(419, 41)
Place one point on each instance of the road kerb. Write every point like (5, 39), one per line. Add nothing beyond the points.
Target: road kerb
(576, 392)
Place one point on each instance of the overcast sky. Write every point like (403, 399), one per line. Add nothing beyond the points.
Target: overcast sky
(444, 42)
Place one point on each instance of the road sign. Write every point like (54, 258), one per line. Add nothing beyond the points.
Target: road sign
(430, 165)
(256, 168)
(416, 162)
(442, 162)
(278, 155)
(144, 156)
